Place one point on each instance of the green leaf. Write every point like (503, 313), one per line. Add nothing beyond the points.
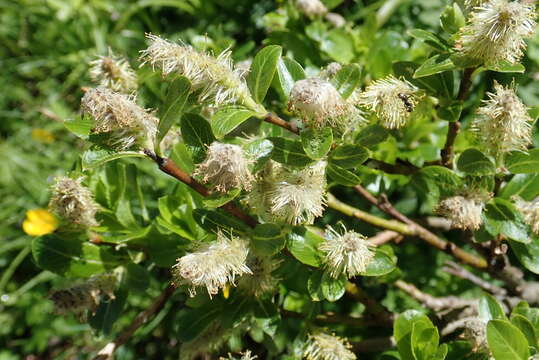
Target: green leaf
(434, 65)
(108, 312)
(371, 135)
(267, 239)
(262, 71)
(215, 220)
(288, 72)
(138, 278)
(525, 325)
(518, 162)
(452, 19)
(322, 286)
(382, 264)
(347, 79)
(342, 176)
(289, 152)
(450, 113)
(70, 256)
(506, 341)
(177, 94)
(424, 340)
(525, 186)
(402, 331)
(441, 176)
(316, 143)
(339, 45)
(527, 254)
(501, 217)
(488, 309)
(474, 162)
(314, 285)
(506, 67)
(333, 289)
(228, 118)
(80, 126)
(441, 84)
(531, 314)
(429, 38)
(349, 156)
(260, 151)
(218, 199)
(96, 156)
(303, 244)
(191, 322)
(196, 131)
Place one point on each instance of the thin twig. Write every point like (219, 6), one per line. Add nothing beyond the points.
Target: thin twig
(169, 167)
(276, 120)
(457, 270)
(419, 231)
(107, 352)
(434, 303)
(384, 237)
(400, 167)
(454, 126)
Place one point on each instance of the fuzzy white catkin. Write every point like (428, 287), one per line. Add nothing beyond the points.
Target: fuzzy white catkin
(117, 113)
(392, 100)
(73, 202)
(463, 212)
(292, 196)
(226, 167)
(503, 123)
(213, 265)
(311, 8)
(496, 32)
(530, 212)
(114, 73)
(219, 82)
(346, 252)
(321, 346)
(319, 104)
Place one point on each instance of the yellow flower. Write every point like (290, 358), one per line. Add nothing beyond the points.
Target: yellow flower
(42, 135)
(39, 222)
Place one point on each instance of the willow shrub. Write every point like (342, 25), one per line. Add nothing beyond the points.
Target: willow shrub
(294, 203)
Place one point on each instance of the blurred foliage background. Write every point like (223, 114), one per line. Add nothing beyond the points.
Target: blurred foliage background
(45, 49)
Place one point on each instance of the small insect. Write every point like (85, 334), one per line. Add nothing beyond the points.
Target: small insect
(406, 100)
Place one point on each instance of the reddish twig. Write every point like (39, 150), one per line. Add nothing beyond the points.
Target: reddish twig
(276, 120)
(169, 167)
(454, 126)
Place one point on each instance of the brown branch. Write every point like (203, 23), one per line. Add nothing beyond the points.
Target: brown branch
(457, 270)
(373, 307)
(107, 352)
(421, 232)
(169, 167)
(454, 126)
(434, 303)
(276, 120)
(384, 237)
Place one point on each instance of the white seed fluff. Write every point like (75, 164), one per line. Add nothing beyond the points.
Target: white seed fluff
(391, 99)
(114, 73)
(225, 168)
(346, 253)
(463, 212)
(530, 212)
(496, 31)
(213, 265)
(321, 346)
(73, 202)
(311, 8)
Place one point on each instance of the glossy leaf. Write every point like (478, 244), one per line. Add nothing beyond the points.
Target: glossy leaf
(382, 264)
(262, 71)
(267, 239)
(349, 156)
(347, 79)
(342, 176)
(316, 143)
(228, 118)
(488, 309)
(506, 341)
(518, 162)
(303, 244)
(474, 162)
(429, 38)
(288, 72)
(289, 152)
(525, 186)
(434, 65)
(97, 156)
(177, 94)
(527, 254)
(501, 217)
(371, 135)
